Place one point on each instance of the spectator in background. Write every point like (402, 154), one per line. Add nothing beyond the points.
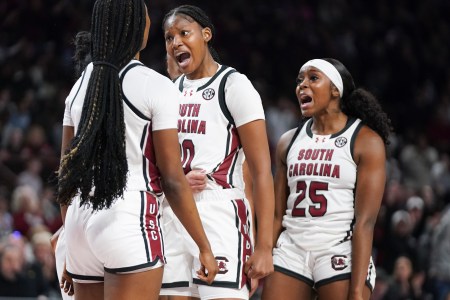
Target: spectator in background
(440, 174)
(18, 277)
(400, 239)
(26, 209)
(415, 207)
(402, 285)
(43, 256)
(36, 145)
(381, 285)
(281, 116)
(11, 153)
(6, 219)
(31, 176)
(440, 257)
(417, 157)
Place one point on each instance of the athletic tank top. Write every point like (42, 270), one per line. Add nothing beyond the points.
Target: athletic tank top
(207, 134)
(150, 103)
(321, 175)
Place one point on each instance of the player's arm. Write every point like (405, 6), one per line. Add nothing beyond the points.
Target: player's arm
(369, 154)
(248, 191)
(66, 282)
(67, 136)
(179, 195)
(280, 182)
(253, 137)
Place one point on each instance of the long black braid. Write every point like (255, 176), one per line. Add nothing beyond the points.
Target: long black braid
(362, 104)
(194, 13)
(96, 156)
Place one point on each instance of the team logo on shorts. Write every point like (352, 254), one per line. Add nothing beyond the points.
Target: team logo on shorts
(222, 264)
(340, 142)
(208, 94)
(339, 262)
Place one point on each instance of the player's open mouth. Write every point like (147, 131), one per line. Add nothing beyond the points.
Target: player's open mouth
(305, 98)
(183, 57)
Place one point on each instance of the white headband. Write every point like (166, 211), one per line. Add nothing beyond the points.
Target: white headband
(329, 70)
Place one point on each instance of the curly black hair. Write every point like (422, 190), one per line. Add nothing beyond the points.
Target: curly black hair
(82, 56)
(362, 104)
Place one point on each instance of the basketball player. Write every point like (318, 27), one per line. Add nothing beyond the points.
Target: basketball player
(82, 58)
(119, 123)
(221, 117)
(329, 184)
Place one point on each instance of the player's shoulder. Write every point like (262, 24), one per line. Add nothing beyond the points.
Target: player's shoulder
(149, 75)
(367, 135)
(286, 138)
(284, 144)
(234, 74)
(237, 80)
(368, 142)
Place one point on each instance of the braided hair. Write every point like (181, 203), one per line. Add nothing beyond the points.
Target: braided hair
(96, 156)
(360, 103)
(195, 14)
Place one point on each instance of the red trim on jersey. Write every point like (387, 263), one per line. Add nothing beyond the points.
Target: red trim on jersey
(152, 227)
(222, 174)
(246, 242)
(153, 172)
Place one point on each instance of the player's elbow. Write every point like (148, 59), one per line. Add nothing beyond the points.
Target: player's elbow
(172, 188)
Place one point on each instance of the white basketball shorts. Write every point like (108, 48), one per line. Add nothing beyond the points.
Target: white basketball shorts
(317, 268)
(125, 238)
(227, 221)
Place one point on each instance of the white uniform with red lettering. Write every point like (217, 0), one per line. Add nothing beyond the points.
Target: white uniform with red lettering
(125, 238)
(321, 174)
(211, 110)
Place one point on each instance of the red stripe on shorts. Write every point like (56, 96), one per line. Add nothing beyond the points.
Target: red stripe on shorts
(244, 229)
(152, 227)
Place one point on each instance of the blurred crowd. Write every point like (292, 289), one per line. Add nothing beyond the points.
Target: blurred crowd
(397, 49)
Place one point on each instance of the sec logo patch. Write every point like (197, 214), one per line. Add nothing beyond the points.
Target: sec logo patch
(208, 94)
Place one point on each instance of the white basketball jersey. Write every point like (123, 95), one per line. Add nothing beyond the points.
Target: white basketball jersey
(150, 103)
(207, 130)
(321, 175)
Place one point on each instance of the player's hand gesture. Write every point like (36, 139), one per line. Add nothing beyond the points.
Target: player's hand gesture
(260, 264)
(209, 268)
(197, 180)
(66, 282)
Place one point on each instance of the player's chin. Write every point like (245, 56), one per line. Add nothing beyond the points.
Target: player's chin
(306, 113)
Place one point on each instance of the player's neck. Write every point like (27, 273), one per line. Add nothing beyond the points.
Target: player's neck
(208, 68)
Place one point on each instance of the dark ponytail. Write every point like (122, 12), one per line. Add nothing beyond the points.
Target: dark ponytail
(362, 104)
(198, 15)
(82, 56)
(96, 156)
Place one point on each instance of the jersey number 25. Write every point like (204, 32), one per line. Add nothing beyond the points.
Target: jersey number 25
(319, 208)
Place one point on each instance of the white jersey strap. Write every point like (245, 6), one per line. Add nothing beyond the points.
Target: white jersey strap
(125, 99)
(222, 102)
(297, 131)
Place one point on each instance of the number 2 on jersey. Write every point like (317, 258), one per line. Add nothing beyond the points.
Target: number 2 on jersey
(319, 208)
(187, 155)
